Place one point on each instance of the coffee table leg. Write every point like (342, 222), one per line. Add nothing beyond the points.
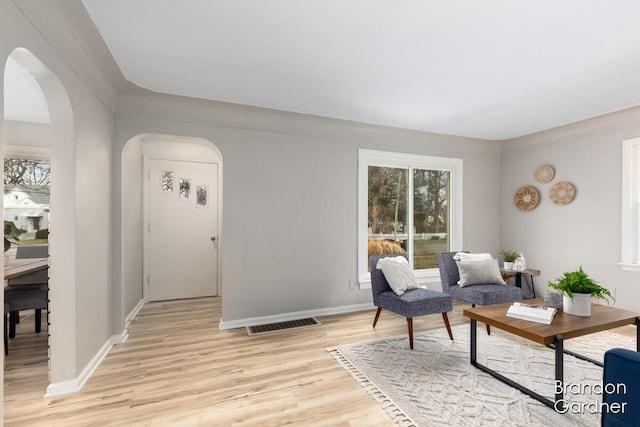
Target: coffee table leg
(473, 341)
(559, 344)
(474, 362)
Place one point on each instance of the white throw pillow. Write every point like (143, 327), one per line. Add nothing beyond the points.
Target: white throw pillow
(398, 273)
(479, 272)
(459, 256)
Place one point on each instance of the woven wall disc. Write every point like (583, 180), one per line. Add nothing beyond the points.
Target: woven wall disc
(526, 198)
(562, 193)
(544, 174)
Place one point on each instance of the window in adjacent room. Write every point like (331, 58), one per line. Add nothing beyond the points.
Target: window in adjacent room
(26, 200)
(408, 203)
(630, 201)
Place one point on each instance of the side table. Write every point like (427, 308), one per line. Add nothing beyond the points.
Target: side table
(531, 272)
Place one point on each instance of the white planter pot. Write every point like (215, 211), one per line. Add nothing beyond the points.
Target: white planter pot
(580, 306)
(508, 265)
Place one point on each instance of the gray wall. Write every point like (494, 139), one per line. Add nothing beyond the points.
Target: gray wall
(290, 194)
(129, 218)
(81, 226)
(587, 231)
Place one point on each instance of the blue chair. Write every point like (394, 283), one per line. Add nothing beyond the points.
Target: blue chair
(622, 376)
(414, 302)
(483, 294)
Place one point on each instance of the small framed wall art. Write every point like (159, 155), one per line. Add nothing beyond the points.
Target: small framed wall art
(202, 197)
(185, 189)
(167, 181)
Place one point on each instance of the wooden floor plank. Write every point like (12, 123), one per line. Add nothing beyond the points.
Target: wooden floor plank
(178, 368)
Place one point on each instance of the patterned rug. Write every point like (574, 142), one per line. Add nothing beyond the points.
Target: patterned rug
(435, 384)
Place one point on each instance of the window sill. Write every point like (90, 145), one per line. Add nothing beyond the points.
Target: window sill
(629, 267)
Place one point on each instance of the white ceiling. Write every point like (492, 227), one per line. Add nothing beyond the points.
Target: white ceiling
(492, 69)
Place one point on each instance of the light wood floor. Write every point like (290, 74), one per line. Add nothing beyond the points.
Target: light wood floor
(178, 368)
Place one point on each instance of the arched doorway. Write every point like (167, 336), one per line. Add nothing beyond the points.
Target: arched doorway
(132, 206)
(61, 152)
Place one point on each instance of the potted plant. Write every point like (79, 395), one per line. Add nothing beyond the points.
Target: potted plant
(11, 234)
(508, 257)
(577, 289)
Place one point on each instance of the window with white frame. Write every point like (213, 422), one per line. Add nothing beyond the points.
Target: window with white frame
(408, 203)
(630, 201)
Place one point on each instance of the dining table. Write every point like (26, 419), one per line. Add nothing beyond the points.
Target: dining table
(15, 268)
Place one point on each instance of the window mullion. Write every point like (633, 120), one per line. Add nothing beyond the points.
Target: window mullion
(410, 248)
(634, 195)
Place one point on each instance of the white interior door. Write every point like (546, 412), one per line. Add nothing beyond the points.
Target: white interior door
(182, 244)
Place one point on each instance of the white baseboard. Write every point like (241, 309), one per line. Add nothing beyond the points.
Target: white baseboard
(120, 338)
(133, 313)
(74, 385)
(263, 320)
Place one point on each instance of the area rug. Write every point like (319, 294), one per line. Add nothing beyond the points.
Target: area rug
(435, 384)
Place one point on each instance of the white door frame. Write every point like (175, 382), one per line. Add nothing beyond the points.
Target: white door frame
(167, 147)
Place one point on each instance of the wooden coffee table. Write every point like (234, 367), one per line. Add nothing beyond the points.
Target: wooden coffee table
(564, 326)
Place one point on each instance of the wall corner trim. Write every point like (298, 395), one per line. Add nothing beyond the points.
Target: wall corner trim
(74, 385)
(134, 313)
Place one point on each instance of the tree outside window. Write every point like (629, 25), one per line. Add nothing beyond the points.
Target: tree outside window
(409, 207)
(26, 198)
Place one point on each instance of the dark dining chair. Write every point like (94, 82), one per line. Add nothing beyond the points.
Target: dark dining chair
(20, 299)
(32, 251)
(7, 310)
(29, 291)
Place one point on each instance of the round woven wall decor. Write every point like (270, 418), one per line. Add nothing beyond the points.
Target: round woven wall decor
(526, 198)
(562, 193)
(544, 174)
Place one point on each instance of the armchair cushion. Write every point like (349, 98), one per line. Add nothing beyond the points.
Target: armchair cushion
(479, 272)
(416, 302)
(398, 273)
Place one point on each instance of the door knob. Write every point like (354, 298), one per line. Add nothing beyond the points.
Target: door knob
(213, 238)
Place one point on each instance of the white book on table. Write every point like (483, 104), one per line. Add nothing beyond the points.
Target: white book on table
(534, 313)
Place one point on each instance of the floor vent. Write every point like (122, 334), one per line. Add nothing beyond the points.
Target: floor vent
(281, 326)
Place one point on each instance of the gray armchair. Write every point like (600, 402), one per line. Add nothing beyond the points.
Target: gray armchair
(414, 302)
(484, 294)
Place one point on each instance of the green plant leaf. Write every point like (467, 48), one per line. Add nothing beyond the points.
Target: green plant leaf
(579, 282)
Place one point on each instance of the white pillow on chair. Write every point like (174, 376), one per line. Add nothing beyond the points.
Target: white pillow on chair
(479, 272)
(398, 273)
(459, 256)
